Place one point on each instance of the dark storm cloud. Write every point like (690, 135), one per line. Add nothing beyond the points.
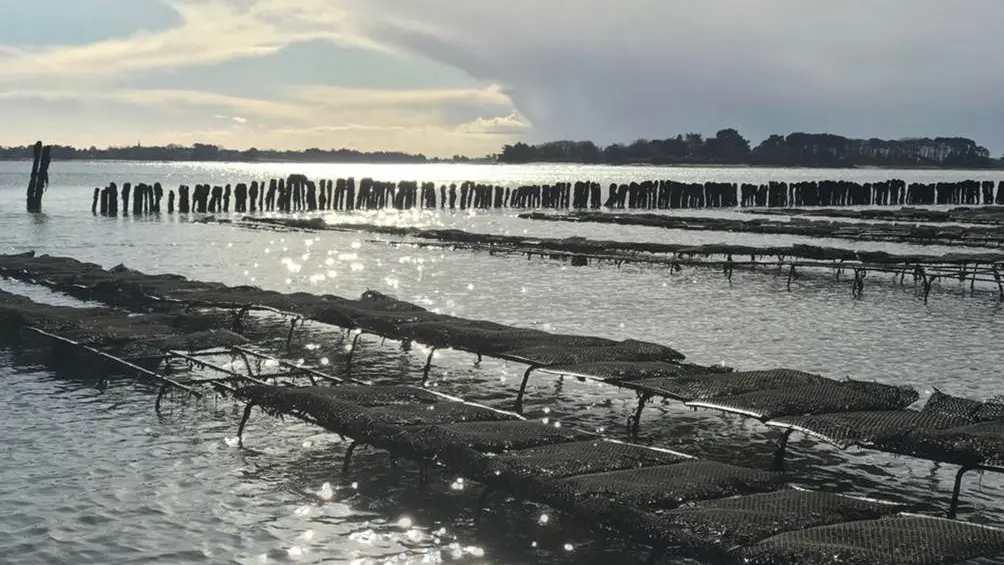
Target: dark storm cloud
(647, 68)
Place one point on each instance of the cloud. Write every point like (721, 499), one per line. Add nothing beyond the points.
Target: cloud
(491, 95)
(210, 31)
(416, 121)
(433, 141)
(168, 100)
(236, 119)
(601, 70)
(513, 124)
(620, 70)
(69, 85)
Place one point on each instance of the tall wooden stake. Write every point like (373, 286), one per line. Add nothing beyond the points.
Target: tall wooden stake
(39, 177)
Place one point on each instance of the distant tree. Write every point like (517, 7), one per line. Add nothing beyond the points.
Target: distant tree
(728, 146)
(695, 144)
(615, 154)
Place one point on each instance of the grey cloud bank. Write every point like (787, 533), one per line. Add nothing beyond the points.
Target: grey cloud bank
(616, 71)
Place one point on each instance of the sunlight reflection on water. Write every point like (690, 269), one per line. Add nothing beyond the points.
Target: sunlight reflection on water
(144, 487)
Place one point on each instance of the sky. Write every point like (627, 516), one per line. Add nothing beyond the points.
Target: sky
(445, 77)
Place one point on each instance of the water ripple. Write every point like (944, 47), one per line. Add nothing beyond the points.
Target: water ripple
(93, 475)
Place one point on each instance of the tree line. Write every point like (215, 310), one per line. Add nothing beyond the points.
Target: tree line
(207, 152)
(729, 147)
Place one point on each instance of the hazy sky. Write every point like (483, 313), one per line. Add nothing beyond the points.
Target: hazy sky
(466, 76)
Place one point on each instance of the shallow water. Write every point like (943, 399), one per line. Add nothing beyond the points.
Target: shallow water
(93, 475)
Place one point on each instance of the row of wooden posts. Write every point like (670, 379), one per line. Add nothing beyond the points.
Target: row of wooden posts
(297, 193)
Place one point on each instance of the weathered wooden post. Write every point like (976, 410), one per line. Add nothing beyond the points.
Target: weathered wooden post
(215, 199)
(201, 198)
(158, 194)
(240, 198)
(311, 198)
(283, 196)
(39, 177)
(339, 195)
(138, 197)
(273, 189)
(126, 188)
(104, 200)
(113, 200)
(183, 199)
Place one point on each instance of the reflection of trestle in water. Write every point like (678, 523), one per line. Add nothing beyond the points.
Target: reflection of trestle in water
(697, 508)
(925, 270)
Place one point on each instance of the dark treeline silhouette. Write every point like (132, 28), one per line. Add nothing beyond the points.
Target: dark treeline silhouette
(205, 152)
(729, 147)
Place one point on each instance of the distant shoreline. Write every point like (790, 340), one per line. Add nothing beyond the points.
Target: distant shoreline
(995, 167)
(726, 149)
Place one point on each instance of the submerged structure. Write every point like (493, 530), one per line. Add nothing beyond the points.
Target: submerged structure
(924, 270)
(916, 234)
(671, 501)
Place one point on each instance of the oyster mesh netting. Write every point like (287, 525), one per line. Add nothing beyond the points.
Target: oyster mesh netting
(627, 350)
(748, 519)
(813, 399)
(409, 422)
(620, 370)
(903, 540)
(709, 385)
(668, 486)
(948, 428)
(868, 429)
(580, 458)
(373, 311)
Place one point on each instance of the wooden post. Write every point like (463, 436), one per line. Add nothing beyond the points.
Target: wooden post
(1000, 281)
(139, 195)
(126, 189)
(105, 193)
(928, 281)
(113, 200)
(158, 194)
(35, 165)
(39, 177)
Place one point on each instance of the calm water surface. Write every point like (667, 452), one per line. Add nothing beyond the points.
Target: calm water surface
(91, 474)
